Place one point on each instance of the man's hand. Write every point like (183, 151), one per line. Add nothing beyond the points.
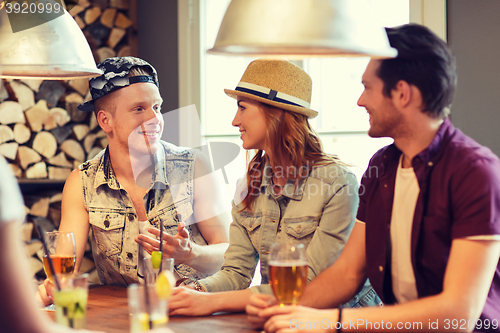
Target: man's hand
(46, 292)
(177, 247)
(257, 303)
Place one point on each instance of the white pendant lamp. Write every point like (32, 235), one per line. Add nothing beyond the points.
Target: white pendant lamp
(53, 50)
(301, 28)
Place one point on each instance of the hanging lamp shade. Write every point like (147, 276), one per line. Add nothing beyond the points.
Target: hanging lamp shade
(301, 28)
(54, 50)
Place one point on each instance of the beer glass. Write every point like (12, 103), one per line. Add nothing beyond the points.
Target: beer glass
(62, 249)
(288, 272)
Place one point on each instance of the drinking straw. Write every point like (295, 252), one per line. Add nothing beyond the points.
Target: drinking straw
(47, 253)
(161, 229)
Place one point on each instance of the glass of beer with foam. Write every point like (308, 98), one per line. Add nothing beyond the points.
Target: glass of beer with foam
(288, 272)
(62, 251)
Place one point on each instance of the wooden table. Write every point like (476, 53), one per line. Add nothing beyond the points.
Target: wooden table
(107, 310)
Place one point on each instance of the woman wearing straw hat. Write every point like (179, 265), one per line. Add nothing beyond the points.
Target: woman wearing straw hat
(293, 192)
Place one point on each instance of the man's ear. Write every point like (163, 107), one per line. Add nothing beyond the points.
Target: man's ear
(402, 94)
(105, 120)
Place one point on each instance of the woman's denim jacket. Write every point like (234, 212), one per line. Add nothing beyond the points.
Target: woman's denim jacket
(113, 218)
(321, 214)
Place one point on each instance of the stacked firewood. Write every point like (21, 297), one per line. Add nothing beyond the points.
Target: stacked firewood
(42, 134)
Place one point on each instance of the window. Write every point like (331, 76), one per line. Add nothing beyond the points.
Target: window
(341, 124)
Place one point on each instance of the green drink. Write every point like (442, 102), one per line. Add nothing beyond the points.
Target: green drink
(71, 306)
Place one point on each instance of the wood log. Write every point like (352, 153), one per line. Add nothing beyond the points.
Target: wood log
(21, 133)
(25, 231)
(54, 216)
(73, 149)
(108, 17)
(80, 85)
(4, 94)
(120, 4)
(51, 91)
(62, 133)
(24, 95)
(88, 142)
(92, 14)
(35, 265)
(76, 164)
(104, 142)
(115, 36)
(101, 134)
(80, 22)
(76, 9)
(11, 113)
(122, 21)
(33, 246)
(93, 122)
(37, 171)
(124, 51)
(49, 123)
(60, 160)
(9, 150)
(16, 169)
(27, 156)
(37, 115)
(56, 198)
(40, 207)
(72, 101)
(60, 115)
(105, 53)
(45, 144)
(93, 152)
(101, 3)
(34, 84)
(96, 34)
(57, 173)
(6, 134)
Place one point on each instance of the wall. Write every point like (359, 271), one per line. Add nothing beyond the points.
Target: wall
(474, 36)
(157, 39)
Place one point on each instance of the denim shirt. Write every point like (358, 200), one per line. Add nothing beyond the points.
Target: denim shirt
(113, 218)
(320, 214)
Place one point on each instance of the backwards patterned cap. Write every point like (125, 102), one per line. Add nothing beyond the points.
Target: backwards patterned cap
(115, 76)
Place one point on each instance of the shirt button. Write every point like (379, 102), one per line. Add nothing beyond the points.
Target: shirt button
(130, 217)
(430, 164)
(130, 256)
(106, 221)
(299, 229)
(273, 221)
(380, 268)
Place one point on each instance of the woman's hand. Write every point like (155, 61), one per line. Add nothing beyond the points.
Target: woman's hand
(46, 292)
(257, 303)
(299, 319)
(186, 301)
(178, 247)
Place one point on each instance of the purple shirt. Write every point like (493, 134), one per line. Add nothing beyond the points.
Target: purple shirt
(459, 196)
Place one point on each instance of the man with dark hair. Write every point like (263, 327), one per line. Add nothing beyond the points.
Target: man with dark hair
(428, 223)
(139, 183)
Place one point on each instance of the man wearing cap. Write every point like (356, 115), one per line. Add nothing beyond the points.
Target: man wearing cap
(140, 182)
(427, 232)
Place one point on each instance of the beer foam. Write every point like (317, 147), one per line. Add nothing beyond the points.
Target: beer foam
(287, 263)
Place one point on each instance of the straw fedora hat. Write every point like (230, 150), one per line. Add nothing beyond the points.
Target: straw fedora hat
(278, 83)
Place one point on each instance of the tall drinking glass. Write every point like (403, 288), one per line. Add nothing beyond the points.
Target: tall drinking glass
(62, 251)
(288, 272)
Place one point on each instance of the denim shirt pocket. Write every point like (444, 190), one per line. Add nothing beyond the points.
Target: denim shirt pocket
(252, 223)
(107, 228)
(301, 229)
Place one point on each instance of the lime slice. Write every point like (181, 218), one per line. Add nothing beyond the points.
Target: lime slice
(156, 259)
(164, 284)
